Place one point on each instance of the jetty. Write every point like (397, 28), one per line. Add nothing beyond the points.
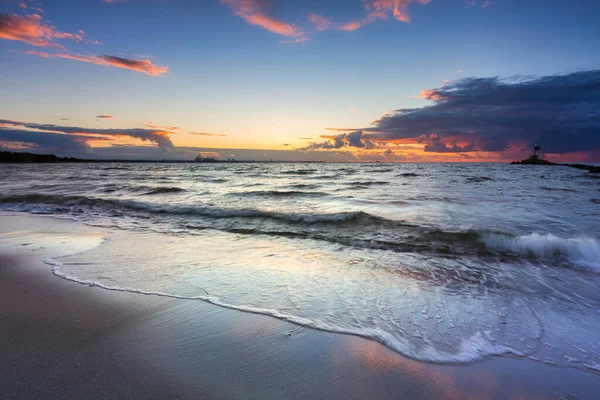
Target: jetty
(534, 159)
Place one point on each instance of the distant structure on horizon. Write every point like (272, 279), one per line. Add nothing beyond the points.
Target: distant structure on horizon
(534, 159)
(200, 159)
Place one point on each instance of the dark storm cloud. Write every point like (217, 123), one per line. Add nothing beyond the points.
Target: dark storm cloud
(161, 138)
(52, 142)
(560, 112)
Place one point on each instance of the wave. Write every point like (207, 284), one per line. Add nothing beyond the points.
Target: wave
(583, 252)
(477, 179)
(368, 183)
(408, 175)
(304, 186)
(279, 193)
(381, 170)
(299, 172)
(210, 212)
(144, 190)
(469, 349)
(340, 227)
(164, 190)
(558, 189)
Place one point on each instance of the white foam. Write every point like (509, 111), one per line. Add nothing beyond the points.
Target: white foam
(583, 252)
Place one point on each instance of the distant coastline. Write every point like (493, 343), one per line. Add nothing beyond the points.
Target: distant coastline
(33, 158)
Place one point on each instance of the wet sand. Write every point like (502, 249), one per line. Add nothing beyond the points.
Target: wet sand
(63, 340)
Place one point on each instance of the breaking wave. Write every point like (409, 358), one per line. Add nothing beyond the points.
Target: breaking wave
(583, 252)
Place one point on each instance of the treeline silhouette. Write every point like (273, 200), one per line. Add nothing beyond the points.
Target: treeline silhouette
(14, 157)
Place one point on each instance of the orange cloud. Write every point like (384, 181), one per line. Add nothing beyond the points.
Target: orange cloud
(254, 12)
(105, 116)
(429, 94)
(320, 22)
(32, 30)
(382, 9)
(145, 66)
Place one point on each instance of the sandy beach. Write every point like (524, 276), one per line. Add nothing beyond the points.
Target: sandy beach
(64, 340)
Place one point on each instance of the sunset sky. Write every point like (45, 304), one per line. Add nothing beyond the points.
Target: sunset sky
(390, 80)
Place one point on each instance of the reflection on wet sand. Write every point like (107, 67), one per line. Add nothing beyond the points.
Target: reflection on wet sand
(438, 381)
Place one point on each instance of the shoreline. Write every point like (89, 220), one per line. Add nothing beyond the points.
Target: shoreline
(62, 339)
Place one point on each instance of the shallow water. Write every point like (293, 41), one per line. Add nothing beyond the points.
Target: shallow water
(441, 262)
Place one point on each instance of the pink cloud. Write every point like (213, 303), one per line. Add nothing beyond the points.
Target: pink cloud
(350, 26)
(255, 13)
(32, 30)
(382, 9)
(320, 22)
(145, 66)
(26, 7)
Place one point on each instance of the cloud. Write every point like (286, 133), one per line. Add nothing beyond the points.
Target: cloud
(350, 26)
(32, 30)
(145, 66)
(163, 127)
(320, 22)
(296, 40)
(255, 13)
(105, 116)
(342, 129)
(206, 134)
(30, 7)
(382, 10)
(351, 139)
(160, 138)
(52, 142)
(559, 112)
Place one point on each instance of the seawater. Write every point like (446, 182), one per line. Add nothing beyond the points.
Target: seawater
(444, 263)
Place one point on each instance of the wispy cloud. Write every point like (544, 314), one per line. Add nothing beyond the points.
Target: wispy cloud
(159, 137)
(255, 13)
(381, 10)
(31, 29)
(350, 26)
(30, 7)
(320, 22)
(206, 134)
(105, 116)
(145, 66)
(162, 127)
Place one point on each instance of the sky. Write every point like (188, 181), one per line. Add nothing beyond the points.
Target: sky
(315, 80)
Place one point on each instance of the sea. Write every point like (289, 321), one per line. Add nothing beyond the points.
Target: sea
(441, 262)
